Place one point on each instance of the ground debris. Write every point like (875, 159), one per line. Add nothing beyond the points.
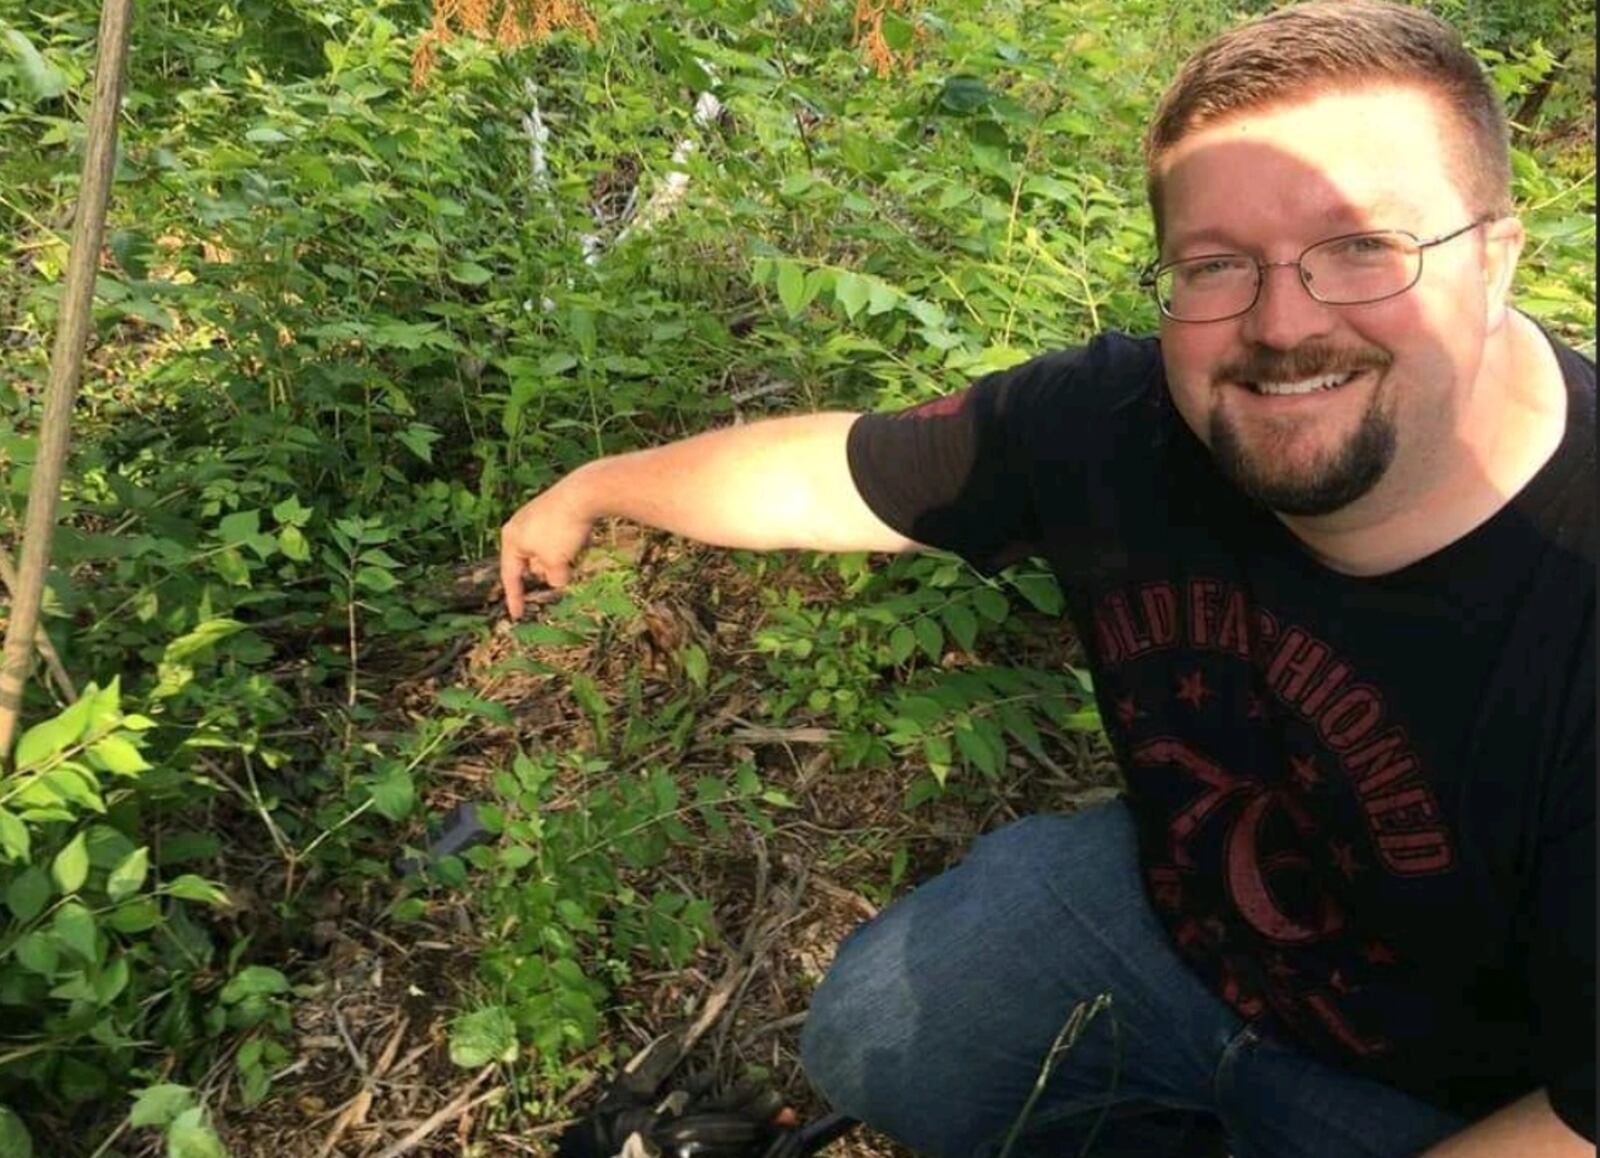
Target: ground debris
(372, 1062)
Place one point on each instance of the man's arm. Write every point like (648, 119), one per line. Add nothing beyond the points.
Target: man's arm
(1527, 1127)
(781, 483)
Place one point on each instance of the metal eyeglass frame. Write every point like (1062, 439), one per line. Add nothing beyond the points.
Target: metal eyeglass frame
(1147, 280)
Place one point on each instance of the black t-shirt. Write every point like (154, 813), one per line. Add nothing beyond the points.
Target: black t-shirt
(1365, 805)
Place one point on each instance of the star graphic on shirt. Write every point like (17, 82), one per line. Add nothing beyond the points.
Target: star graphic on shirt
(1379, 954)
(1344, 859)
(1168, 893)
(1243, 998)
(1192, 689)
(1128, 711)
(1304, 771)
(1255, 707)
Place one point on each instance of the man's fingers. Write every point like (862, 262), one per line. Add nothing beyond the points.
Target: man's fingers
(512, 567)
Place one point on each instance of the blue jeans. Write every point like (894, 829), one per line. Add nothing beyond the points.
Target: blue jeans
(935, 1021)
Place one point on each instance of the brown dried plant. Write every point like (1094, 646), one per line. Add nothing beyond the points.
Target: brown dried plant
(868, 23)
(509, 23)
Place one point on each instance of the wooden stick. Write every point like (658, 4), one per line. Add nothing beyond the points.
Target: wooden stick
(41, 638)
(66, 362)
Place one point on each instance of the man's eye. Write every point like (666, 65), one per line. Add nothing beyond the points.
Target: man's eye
(1210, 269)
(1367, 247)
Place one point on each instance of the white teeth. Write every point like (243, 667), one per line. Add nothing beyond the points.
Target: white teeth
(1304, 385)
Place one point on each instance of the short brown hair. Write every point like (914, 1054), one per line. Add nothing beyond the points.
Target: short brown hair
(1327, 45)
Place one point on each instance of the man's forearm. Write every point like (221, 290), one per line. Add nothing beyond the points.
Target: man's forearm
(1528, 1128)
(778, 483)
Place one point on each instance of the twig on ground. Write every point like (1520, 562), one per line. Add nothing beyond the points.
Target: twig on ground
(460, 1104)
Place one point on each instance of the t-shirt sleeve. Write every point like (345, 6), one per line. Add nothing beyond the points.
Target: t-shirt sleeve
(956, 472)
(1562, 978)
(992, 471)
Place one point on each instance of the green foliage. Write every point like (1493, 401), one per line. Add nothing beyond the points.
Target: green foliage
(342, 328)
(92, 958)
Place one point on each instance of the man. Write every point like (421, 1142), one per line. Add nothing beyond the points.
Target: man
(1329, 542)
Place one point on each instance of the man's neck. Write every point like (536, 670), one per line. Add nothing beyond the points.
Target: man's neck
(1500, 454)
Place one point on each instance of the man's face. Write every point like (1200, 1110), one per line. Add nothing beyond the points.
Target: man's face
(1392, 377)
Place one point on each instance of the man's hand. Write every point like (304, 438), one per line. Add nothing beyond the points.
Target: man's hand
(542, 539)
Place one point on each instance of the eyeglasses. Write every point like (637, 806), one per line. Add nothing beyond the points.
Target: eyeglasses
(1349, 270)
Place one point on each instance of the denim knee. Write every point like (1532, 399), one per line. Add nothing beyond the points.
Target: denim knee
(838, 1026)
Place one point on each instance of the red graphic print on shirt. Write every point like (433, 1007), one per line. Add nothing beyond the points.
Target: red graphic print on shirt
(1256, 738)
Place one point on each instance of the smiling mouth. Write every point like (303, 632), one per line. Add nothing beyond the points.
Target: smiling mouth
(1300, 386)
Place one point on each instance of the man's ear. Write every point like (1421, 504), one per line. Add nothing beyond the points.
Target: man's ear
(1503, 239)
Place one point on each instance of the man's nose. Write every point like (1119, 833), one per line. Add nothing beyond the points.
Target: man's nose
(1285, 313)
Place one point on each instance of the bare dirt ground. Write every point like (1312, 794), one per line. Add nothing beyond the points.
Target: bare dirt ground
(370, 1073)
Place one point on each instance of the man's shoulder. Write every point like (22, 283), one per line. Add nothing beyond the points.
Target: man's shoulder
(1110, 372)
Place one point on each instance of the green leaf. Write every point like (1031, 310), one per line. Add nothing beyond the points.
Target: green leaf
(419, 438)
(14, 1139)
(1041, 591)
(37, 953)
(73, 926)
(393, 793)
(902, 642)
(159, 1105)
(936, 749)
(851, 291)
(791, 288)
(470, 273)
(190, 1137)
(290, 513)
(265, 135)
(964, 94)
(962, 625)
(28, 893)
(545, 635)
(695, 665)
(45, 79)
(71, 865)
(991, 604)
(980, 750)
(117, 755)
(200, 639)
(376, 580)
(483, 1036)
(14, 841)
(292, 542)
(134, 916)
(239, 527)
(929, 637)
(461, 700)
(128, 877)
(45, 740)
(253, 981)
(189, 887)
(113, 979)
(898, 32)
(71, 783)
(881, 298)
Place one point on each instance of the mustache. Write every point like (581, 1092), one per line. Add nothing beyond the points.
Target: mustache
(1261, 364)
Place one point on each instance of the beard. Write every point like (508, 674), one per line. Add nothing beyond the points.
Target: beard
(1320, 488)
(1328, 483)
